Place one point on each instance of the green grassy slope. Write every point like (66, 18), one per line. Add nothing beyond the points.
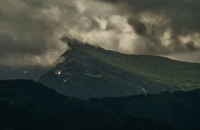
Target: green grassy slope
(176, 74)
(90, 71)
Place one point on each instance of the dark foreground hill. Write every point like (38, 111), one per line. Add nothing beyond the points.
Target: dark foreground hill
(25, 104)
(90, 71)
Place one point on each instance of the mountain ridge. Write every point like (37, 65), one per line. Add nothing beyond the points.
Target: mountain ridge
(90, 71)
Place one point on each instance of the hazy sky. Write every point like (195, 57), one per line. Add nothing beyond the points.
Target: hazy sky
(30, 29)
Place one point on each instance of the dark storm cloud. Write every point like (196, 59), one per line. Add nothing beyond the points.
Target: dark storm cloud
(184, 14)
(152, 19)
(191, 46)
(28, 34)
(30, 29)
(139, 27)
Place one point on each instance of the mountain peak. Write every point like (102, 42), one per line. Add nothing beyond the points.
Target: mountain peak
(69, 41)
(90, 71)
(73, 43)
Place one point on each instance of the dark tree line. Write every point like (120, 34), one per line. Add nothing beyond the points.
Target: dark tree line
(25, 104)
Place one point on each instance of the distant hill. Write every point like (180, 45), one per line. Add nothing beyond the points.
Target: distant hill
(29, 72)
(25, 104)
(90, 71)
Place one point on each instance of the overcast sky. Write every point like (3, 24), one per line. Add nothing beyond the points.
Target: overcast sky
(30, 29)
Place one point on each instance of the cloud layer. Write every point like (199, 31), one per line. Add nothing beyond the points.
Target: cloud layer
(30, 29)
(169, 28)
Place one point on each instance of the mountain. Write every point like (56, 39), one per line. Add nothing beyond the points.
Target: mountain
(25, 104)
(90, 71)
(29, 72)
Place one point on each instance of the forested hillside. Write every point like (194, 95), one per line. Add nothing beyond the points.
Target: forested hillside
(25, 104)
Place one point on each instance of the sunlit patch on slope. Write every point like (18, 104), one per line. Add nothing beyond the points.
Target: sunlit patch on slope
(58, 72)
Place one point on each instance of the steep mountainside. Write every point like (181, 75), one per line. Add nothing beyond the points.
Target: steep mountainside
(90, 71)
(25, 104)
